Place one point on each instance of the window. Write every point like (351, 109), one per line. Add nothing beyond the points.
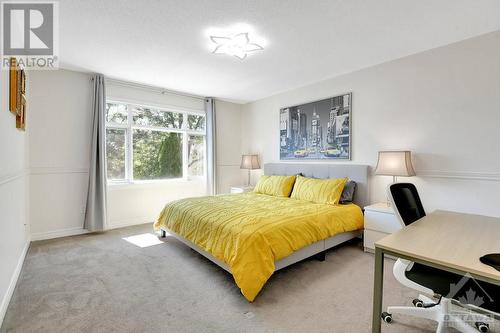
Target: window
(146, 143)
(115, 152)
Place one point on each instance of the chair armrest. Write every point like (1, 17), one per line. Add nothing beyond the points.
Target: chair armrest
(401, 266)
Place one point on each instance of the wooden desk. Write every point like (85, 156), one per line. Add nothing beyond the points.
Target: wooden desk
(445, 240)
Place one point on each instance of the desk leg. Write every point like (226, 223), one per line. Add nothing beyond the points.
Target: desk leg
(378, 289)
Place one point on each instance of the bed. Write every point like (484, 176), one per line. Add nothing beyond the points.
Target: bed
(252, 235)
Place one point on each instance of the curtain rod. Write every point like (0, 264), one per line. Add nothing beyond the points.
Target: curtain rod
(154, 88)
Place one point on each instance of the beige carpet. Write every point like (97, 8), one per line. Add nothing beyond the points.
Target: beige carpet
(102, 283)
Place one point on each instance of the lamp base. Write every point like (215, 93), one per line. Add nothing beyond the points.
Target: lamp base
(248, 180)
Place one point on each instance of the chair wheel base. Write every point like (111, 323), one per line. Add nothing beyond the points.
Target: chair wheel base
(482, 327)
(387, 317)
(418, 303)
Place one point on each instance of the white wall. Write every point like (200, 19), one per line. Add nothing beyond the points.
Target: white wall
(60, 119)
(229, 126)
(136, 93)
(14, 229)
(59, 142)
(442, 104)
(142, 203)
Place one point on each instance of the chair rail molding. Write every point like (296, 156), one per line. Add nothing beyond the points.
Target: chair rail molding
(468, 175)
(13, 176)
(56, 170)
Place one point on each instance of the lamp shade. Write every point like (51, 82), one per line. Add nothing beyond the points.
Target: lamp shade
(394, 163)
(250, 162)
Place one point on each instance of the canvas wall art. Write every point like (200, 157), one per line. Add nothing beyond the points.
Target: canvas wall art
(317, 130)
(14, 81)
(17, 93)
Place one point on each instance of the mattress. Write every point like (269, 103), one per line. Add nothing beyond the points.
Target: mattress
(250, 231)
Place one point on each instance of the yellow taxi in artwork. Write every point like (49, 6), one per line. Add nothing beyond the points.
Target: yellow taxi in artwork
(300, 153)
(332, 152)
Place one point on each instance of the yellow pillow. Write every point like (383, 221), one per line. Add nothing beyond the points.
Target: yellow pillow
(279, 186)
(325, 191)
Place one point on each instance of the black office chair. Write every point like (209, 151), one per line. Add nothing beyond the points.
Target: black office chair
(443, 285)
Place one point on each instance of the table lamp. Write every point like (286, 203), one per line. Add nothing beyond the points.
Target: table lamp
(249, 162)
(394, 163)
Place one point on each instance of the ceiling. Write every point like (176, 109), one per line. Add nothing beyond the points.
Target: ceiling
(165, 43)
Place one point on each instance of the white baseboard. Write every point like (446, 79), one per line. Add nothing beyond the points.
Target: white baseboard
(127, 223)
(13, 282)
(58, 233)
(36, 236)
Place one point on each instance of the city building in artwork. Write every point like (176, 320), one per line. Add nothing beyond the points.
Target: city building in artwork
(317, 130)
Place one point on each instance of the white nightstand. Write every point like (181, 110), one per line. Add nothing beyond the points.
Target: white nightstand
(241, 189)
(380, 221)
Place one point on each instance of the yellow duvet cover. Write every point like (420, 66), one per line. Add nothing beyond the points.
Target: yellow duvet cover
(250, 231)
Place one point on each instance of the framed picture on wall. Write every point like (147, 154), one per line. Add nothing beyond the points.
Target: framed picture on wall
(21, 114)
(13, 85)
(319, 130)
(17, 93)
(23, 82)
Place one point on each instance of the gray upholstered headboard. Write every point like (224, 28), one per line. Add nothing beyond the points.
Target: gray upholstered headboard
(356, 172)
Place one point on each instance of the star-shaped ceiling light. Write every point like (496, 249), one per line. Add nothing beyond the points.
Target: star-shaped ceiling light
(236, 45)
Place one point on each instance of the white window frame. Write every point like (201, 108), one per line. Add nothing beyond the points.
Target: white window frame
(129, 128)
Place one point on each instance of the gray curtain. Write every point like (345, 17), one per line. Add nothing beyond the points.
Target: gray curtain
(211, 147)
(96, 212)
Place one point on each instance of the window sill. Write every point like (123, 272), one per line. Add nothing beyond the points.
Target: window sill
(153, 183)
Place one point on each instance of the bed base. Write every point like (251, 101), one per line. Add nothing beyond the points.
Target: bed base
(317, 249)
